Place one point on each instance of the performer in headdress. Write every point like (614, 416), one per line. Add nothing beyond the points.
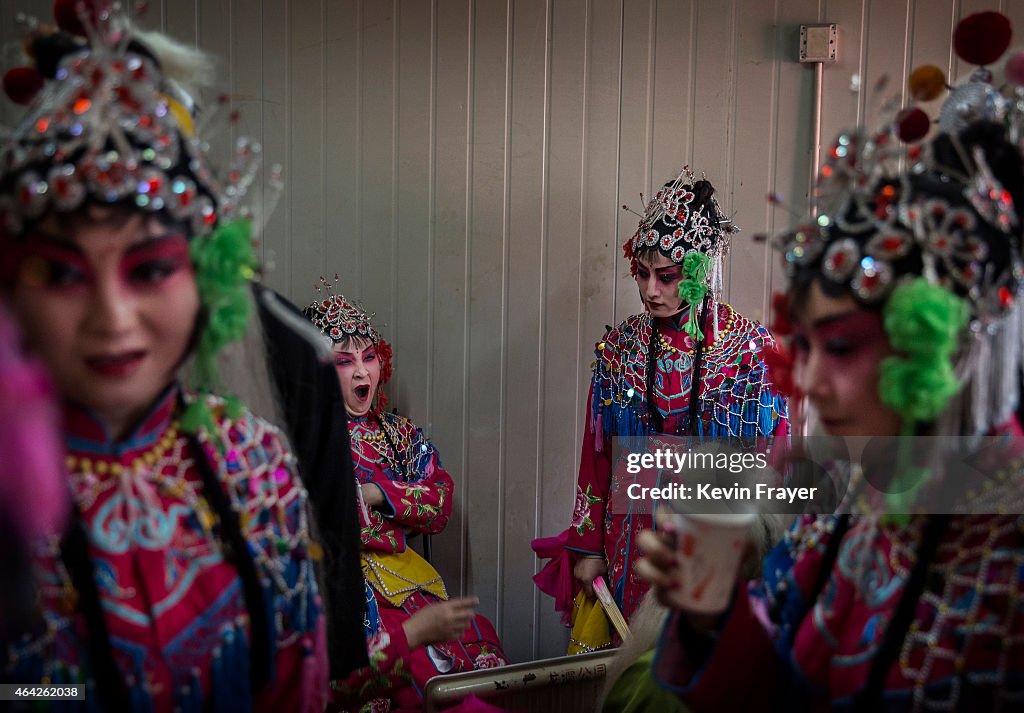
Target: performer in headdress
(905, 298)
(689, 365)
(186, 579)
(414, 631)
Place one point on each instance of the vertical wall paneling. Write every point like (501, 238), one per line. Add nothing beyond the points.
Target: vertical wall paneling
(276, 119)
(449, 372)
(487, 295)
(843, 108)
(752, 159)
(887, 43)
(671, 96)
(340, 150)
(461, 164)
(376, 232)
(600, 254)
(561, 368)
(180, 20)
(794, 86)
(526, 213)
(410, 329)
(635, 107)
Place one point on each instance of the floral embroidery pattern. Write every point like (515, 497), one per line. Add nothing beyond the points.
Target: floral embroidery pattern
(487, 658)
(581, 513)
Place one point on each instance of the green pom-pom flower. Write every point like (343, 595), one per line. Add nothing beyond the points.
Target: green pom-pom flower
(692, 292)
(924, 319)
(922, 322)
(198, 417)
(917, 389)
(224, 264)
(693, 288)
(697, 266)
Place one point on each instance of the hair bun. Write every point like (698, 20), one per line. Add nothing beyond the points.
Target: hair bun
(702, 191)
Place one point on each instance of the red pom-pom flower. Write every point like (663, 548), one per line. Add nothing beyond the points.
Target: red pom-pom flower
(982, 38)
(22, 84)
(384, 353)
(779, 363)
(781, 326)
(912, 125)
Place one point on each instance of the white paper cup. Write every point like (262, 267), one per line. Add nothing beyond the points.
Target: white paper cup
(710, 550)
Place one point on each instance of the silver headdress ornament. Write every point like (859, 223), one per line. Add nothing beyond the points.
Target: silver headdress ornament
(338, 318)
(110, 127)
(683, 217)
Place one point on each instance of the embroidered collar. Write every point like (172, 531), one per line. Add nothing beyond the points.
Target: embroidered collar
(86, 433)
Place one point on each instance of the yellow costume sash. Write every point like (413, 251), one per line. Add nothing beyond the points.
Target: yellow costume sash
(397, 575)
(590, 628)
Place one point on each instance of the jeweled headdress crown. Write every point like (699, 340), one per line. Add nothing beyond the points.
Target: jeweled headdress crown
(338, 318)
(105, 125)
(683, 217)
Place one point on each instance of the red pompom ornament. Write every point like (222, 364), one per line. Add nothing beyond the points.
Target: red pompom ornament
(982, 38)
(22, 84)
(912, 125)
(1015, 69)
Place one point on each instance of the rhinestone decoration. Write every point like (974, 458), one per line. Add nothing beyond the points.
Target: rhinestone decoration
(879, 220)
(873, 279)
(690, 229)
(104, 129)
(840, 259)
(338, 318)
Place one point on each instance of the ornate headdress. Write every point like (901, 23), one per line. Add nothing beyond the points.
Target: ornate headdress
(105, 125)
(685, 223)
(682, 218)
(339, 319)
(929, 234)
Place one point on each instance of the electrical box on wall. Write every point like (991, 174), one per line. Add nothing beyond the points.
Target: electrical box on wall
(818, 43)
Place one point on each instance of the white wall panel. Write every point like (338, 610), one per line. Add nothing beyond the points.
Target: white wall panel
(461, 164)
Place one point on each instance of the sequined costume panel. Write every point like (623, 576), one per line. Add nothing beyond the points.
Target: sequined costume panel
(173, 603)
(392, 453)
(737, 401)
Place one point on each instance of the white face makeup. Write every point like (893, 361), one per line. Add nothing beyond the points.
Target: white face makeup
(358, 368)
(839, 348)
(657, 279)
(108, 300)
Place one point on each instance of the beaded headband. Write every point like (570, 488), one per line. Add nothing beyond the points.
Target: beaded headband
(683, 217)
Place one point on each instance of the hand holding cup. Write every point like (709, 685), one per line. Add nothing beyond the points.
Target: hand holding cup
(693, 561)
